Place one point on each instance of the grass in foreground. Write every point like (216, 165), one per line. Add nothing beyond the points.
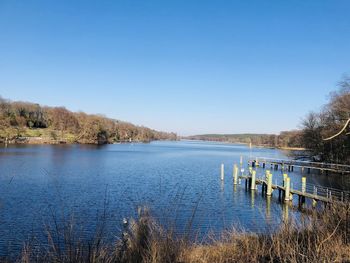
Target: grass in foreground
(325, 238)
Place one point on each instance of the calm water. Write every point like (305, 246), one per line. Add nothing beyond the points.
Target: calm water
(40, 184)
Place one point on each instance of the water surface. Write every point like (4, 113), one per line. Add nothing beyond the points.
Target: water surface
(41, 184)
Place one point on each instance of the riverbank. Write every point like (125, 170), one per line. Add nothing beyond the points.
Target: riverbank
(51, 136)
(321, 237)
(30, 123)
(266, 146)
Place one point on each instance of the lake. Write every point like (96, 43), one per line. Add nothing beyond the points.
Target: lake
(41, 184)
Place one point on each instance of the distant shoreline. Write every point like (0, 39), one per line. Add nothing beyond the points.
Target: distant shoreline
(47, 141)
(253, 145)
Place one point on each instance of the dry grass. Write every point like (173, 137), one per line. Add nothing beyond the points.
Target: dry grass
(323, 238)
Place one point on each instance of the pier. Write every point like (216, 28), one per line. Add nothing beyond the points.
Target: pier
(304, 166)
(286, 190)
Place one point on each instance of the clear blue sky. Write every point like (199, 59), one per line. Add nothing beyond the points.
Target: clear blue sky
(186, 66)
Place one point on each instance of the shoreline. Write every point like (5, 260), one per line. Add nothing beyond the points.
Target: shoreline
(45, 141)
(256, 146)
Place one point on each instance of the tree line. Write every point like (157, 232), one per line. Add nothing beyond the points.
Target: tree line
(288, 139)
(24, 119)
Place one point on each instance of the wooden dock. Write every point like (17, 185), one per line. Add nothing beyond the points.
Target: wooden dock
(302, 196)
(304, 166)
(286, 191)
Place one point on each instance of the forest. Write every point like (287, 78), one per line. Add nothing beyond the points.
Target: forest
(24, 122)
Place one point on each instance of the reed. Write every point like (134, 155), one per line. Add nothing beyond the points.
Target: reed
(323, 237)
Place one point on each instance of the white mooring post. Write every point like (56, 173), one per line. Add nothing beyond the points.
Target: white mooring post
(241, 161)
(267, 172)
(284, 179)
(287, 193)
(235, 174)
(269, 184)
(222, 171)
(303, 184)
(252, 187)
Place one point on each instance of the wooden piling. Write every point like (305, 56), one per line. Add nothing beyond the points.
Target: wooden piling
(266, 174)
(303, 190)
(253, 185)
(235, 174)
(222, 172)
(303, 184)
(285, 176)
(287, 190)
(269, 184)
(314, 202)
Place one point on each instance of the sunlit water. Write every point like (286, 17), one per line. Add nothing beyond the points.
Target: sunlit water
(178, 181)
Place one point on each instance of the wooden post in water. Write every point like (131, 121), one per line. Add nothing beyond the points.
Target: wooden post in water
(287, 190)
(253, 185)
(303, 184)
(266, 174)
(222, 172)
(241, 161)
(285, 176)
(303, 189)
(314, 202)
(235, 174)
(269, 184)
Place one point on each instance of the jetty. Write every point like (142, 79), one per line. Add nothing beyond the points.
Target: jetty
(286, 190)
(304, 166)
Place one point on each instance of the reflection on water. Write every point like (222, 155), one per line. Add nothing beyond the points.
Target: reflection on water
(176, 180)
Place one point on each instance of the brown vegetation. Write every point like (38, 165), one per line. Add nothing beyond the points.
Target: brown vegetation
(283, 140)
(322, 237)
(28, 122)
(320, 125)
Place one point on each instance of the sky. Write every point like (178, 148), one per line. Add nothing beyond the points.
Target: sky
(186, 66)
